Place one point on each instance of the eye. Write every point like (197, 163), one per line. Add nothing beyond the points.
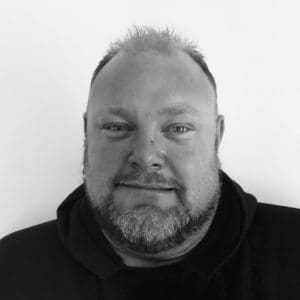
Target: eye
(115, 127)
(178, 129)
(117, 130)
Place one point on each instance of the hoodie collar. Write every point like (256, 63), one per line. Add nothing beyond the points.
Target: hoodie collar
(232, 220)
(83, 238)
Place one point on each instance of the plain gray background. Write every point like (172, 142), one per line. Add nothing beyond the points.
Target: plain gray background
(48, 50)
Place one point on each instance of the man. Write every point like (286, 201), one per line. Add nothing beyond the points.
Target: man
(156, 217)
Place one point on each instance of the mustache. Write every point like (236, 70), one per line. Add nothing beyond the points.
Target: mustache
(152, 178)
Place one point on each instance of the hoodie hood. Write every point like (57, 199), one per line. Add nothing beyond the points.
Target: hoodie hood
(83, 238)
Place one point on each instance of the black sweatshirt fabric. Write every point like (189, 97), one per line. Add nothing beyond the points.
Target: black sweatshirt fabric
(251, 251)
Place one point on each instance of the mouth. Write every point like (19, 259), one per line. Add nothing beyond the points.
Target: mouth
(153, 188)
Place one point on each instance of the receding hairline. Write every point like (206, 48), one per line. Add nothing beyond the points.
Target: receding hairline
(153, 39)
(147, 38)
(162, 41)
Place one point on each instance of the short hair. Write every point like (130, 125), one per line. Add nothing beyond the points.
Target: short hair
(148, 38)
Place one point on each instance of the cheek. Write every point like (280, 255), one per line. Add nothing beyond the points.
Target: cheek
(191, 157)
(192, 164)
(104, 162)
(105, 157)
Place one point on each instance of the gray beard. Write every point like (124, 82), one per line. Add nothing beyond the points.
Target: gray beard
(147, 228)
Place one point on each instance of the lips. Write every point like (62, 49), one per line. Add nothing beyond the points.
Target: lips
(158, 188)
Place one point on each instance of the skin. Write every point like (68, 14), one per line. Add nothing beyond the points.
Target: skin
(152, 113)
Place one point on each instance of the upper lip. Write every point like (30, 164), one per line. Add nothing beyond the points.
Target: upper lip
(147, 186)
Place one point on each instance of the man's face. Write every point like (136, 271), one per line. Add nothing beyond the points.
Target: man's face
(151, 166)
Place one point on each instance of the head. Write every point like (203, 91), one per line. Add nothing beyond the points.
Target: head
(152, 134)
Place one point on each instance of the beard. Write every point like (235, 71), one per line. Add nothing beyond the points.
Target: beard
(147, 228)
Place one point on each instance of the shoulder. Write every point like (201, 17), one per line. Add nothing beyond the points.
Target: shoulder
(31, 260)
(275, 230)
(32, 240)
(35, 248)
(278, 219)
(34, 264)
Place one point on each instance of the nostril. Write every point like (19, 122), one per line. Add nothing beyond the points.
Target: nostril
(134, 164)
(142, 165)
(156, 165)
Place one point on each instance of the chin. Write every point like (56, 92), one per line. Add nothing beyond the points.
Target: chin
(148, 229)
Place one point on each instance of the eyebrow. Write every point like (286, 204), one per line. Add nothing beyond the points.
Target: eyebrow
(119, 111)
(178, 109)
(175, 110)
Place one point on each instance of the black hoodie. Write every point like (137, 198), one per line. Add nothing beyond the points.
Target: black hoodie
(251, 251)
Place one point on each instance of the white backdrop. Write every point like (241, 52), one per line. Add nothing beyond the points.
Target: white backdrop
(48, 50)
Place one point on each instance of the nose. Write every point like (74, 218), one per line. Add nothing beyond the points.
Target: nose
(147, 154)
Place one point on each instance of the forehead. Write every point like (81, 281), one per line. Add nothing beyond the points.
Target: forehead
(150, 81)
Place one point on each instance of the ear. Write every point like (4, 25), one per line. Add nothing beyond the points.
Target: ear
(85, 123)
(220, 130)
